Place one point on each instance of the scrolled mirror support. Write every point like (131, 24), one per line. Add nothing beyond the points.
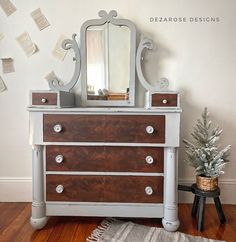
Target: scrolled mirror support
(145, 43)
(55, 84)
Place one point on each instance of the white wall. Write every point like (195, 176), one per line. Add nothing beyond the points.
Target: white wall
(198, 58)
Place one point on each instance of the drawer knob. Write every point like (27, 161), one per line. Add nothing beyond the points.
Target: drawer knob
(57, 128)
(149, 159)
(59, 159)
(164, 101)
(59, 189)
(149, 129)
(148, 190)
(44, 100)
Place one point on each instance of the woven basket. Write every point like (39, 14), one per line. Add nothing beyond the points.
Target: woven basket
(207, 183)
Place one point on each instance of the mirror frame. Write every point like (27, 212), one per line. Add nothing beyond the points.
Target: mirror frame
(108, 18)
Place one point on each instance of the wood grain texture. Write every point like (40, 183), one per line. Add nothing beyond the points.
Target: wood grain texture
(104, 128)
(104, 188)
(15, 226)
(157, 100)
(104, 158)
(50, 97)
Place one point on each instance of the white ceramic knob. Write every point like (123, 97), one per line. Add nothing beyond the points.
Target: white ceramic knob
(59, 189)
(44, 100)
(149, 159)
(164, 101)
(59, 159)
(149, 129)
(57, 128)
(148, 190)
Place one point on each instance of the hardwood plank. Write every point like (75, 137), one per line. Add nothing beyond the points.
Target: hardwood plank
(13, 229)
(15, 226)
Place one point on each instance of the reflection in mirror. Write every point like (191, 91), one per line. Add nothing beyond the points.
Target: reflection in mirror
(108, 62)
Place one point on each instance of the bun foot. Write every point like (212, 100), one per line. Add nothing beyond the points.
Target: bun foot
(38, 223)
(170, 226)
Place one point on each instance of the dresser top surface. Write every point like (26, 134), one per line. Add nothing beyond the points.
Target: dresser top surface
(101, 110)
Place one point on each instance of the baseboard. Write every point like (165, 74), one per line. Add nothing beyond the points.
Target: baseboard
(227, 188)
(15, 189)
(19, 189)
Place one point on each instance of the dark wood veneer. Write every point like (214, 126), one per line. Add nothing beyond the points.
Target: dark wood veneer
(51, 98)
(157, 99)
(104, 188)
(104, 158)
(104, 128)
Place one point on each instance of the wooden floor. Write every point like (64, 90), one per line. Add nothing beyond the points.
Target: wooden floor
(15, 227)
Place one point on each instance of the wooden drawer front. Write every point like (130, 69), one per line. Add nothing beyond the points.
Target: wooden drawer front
(104, 158)
(162, 100)
(44, 98)
(104, 128)
(104, 188)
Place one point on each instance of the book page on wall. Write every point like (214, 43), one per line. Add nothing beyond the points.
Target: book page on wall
(8, 7)
(26, 44)
(40, 19)
(2, 85)
(8, 65)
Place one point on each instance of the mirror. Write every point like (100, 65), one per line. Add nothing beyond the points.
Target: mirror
(108, 47)
(108, 62)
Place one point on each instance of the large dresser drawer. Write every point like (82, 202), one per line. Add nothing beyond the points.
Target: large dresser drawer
(104, 128)
(104, 158)
(130, 189)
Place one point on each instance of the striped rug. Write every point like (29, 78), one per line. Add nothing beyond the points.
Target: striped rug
(112, 230)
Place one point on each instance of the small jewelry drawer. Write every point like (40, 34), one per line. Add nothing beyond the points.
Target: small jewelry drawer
(129, 189)
(52, 99)
(164, 100)
(104, 159)
(44, 98)
(104, 128)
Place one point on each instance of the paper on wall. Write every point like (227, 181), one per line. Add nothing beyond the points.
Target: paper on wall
(51, 76)
(2, 85)
(40, 19)
(2, 35)
(7, 65)
(58, 51)
(26, 44)
(7, 6)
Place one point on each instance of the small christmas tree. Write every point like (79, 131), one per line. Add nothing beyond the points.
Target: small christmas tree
(204, 154)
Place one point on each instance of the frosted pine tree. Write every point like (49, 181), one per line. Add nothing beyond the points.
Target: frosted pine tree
(204, 154)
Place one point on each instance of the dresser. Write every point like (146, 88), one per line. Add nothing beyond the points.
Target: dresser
(96, 153)
(105, 162)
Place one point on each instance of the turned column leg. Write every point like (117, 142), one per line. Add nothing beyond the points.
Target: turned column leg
(170, 220)
(38, 218)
